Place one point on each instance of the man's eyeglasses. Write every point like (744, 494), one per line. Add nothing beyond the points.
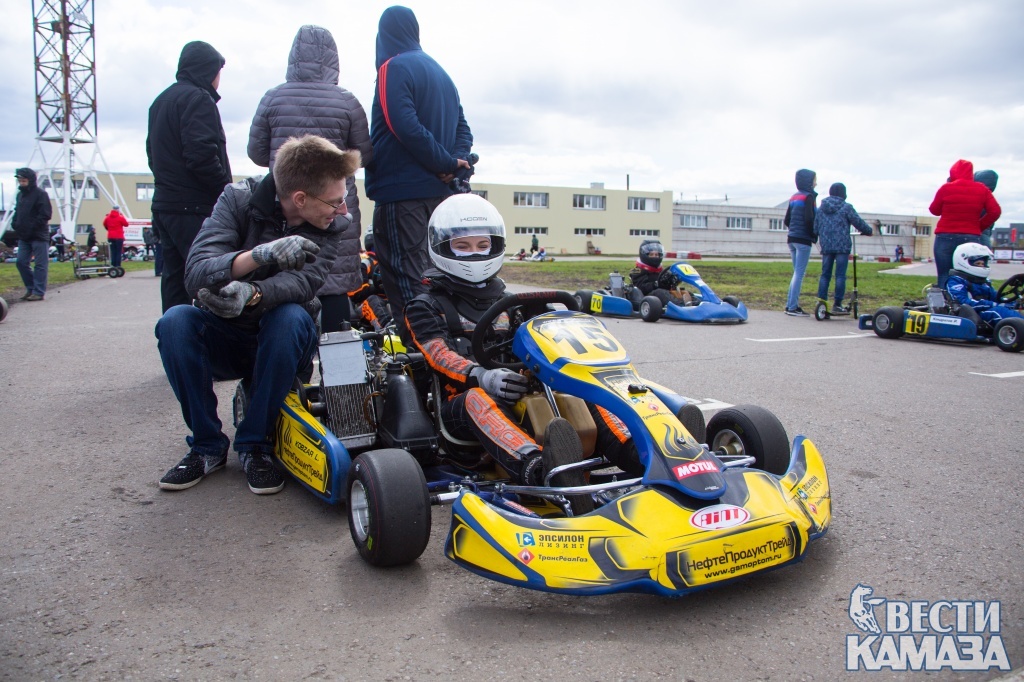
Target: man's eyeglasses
(336, 207)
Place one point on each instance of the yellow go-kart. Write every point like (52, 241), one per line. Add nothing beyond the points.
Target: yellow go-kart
(716, 502)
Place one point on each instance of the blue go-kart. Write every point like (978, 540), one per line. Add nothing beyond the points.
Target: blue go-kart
(690, 300)
(940, 318)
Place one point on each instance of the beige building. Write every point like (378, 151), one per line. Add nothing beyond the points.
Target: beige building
(568, 220)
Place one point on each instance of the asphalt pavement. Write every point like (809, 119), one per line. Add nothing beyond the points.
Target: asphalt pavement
(107, 577)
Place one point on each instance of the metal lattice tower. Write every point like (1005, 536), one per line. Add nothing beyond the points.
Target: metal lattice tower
(63, 37)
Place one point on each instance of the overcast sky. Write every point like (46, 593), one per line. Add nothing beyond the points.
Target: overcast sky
(706, 99)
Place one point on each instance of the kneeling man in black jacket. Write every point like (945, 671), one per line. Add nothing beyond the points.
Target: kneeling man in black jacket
(254, 270)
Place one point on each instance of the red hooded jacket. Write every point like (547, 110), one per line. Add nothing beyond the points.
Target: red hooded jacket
(960, 202)
(115, 224)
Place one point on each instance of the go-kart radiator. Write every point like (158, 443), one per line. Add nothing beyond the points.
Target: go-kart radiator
(346, 389)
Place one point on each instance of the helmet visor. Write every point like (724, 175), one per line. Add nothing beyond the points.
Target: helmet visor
(478, 242)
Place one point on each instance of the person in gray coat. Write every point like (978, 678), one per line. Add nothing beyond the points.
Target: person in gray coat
(832, 225)
(310, 102)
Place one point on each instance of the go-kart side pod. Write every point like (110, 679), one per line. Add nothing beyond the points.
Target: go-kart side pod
(310, 452)
(707, 311)
(647, 540)
(892, 323)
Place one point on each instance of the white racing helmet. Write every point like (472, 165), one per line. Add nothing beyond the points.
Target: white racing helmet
(466, 215)
(973, 260)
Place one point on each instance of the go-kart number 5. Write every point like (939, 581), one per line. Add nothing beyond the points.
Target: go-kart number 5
(917, 322)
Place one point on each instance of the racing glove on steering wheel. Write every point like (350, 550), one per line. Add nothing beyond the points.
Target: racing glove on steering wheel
(501, 383)
(290, 253)
(229, 301)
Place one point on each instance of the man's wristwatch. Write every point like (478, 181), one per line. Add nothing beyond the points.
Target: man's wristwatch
(257, 296)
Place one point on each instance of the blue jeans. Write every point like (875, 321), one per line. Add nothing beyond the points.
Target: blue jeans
(945, 245)
(40, 250)
(800, 253)
(198, 348)
(116, 249)
(840, 260)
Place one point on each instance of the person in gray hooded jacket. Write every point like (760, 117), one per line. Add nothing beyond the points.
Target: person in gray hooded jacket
(989, 178)
(310, 102)
(832, 224)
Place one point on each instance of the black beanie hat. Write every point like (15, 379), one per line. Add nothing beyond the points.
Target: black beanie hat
(837, 189)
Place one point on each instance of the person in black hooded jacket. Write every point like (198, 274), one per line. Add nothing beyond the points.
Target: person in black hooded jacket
(187, 152)
(31, 222)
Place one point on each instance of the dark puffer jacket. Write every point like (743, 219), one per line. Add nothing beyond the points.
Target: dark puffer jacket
(246, 215)
(32, 210)
(310, 102)
(417, 127)
(963, 205)
(186, 146)
(832, 225)
(800, 212)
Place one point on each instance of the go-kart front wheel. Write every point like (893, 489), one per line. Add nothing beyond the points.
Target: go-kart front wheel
(583, 299)
(889, 322)
(651, 308)
(1009, 335)
(732, 300)
(751, 431)
(388, 507)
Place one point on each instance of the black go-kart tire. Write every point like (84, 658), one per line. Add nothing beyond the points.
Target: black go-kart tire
(693, 419)
(1009, 335)
(732, 300)
(651, 308)
(388, 507)
(757, 432)
(888, 322)
(821, 312)
(584, 297)
(240, 402)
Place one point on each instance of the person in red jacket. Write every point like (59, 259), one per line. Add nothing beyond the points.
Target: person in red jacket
(115, 224)
(965, 208)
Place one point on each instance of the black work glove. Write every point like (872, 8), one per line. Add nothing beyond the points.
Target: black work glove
(501, 383)
(290, 253)
(229, 301)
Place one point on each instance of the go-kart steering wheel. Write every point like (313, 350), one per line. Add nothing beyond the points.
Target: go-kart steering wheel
(1012, 290)
(520, 308)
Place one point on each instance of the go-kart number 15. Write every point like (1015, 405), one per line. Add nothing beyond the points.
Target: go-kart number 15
(917, 322)
(593, 335)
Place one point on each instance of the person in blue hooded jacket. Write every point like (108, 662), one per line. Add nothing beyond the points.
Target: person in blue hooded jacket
(800, 221)
(832, 225)
(420, 139)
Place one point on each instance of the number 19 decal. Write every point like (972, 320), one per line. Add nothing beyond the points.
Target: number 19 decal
(917, 322)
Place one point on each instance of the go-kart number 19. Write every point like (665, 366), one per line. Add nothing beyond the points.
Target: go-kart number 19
(917, 322)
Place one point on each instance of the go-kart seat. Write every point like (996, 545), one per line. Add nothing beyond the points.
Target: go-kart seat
(969, 313)
(572, 408)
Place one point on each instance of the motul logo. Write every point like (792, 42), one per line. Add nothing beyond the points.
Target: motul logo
(693, 468)
(719, 516)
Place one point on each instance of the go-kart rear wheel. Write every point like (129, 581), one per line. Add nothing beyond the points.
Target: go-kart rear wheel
(583, 298)
(388, 507)
(889, 322)
(754, 432)
(1009, 335)
(732, 300)
(651, 308)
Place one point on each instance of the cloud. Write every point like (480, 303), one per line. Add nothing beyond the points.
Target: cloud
(700, 98)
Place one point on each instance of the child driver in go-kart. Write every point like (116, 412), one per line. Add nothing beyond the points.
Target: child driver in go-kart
(968, 284)
(648, 277)
(466, 240)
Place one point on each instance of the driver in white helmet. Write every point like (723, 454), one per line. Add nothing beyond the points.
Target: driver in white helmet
(466, 242)
(968, 283)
